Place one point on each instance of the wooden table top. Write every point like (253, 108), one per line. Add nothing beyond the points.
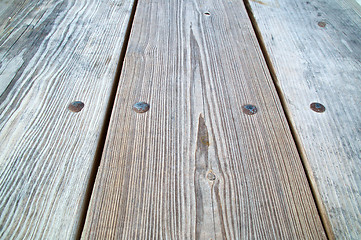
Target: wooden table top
(164, 119)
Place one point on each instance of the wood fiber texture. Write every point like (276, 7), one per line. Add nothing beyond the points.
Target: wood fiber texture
(195, 166)
(53, 53)
(315, 50)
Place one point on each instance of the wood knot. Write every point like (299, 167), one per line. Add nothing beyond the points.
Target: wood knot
(204, 140)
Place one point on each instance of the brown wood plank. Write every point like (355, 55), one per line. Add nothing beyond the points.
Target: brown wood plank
(195, 166)
(51, 54)
(315, 48)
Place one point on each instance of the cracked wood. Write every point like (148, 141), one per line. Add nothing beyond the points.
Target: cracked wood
(194, 165)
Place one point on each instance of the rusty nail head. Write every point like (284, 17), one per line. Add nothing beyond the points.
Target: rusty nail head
(249, 109)
(141, 107)
(76, 106)
(317, 107)
(322, 24)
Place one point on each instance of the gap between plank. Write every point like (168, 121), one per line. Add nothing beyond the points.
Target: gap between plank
(307, 168)
(104, 130)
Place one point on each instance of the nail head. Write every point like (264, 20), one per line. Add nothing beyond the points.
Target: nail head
(317, 107)
(249, 109)
(211, 176)
(76, 106)
(322, 24)
(141, 107)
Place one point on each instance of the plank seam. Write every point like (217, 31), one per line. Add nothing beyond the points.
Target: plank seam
(306, 166)
(105, 127)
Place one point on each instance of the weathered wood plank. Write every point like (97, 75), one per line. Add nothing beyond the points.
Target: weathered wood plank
(51, 54)
(195, 166)
(315, 48)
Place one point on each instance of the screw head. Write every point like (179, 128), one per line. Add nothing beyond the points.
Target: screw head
(249, 109)
(141, 107)
(317, 107)
(76, 106)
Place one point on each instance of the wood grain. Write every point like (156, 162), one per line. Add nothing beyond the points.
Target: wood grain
(51, 54)
(195, 166)
(314, 47)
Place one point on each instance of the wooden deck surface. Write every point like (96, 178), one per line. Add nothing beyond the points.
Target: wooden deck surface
(229, 148)
(52, 54)
(315, 52)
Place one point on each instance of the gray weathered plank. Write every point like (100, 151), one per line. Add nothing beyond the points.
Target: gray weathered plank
(51, 54)
(195, 166)
(315, 48)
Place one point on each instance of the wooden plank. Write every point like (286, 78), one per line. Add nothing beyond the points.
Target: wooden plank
(195, 166)
(314, 47)
(51, 54)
